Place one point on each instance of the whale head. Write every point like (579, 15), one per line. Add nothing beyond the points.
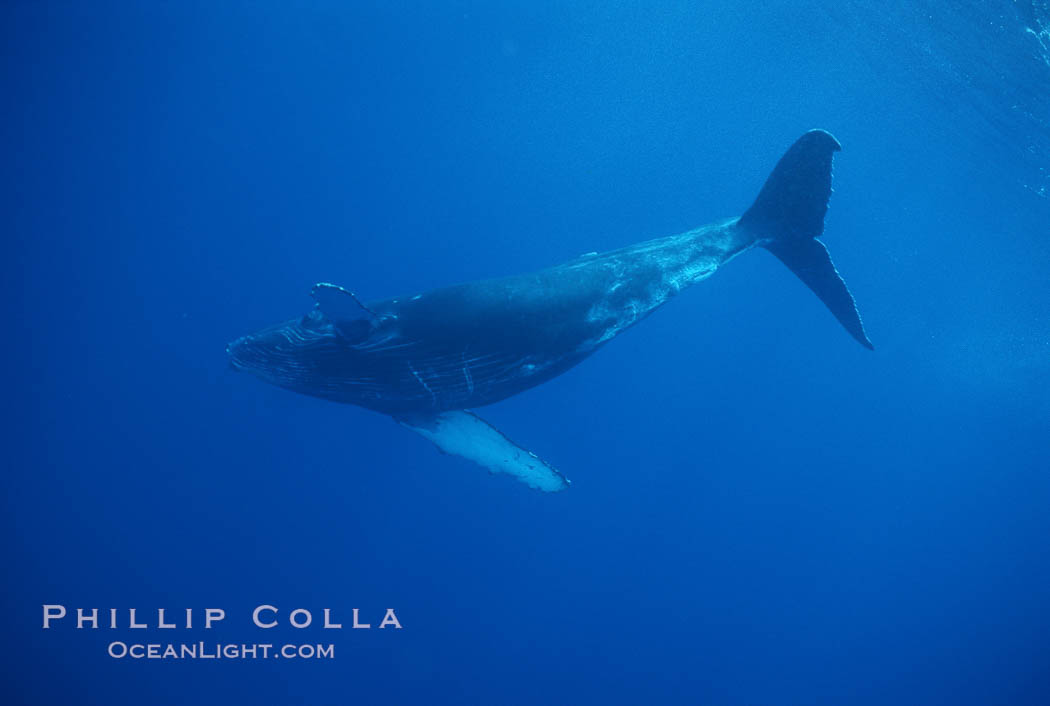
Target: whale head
(291, 354)
(355, 361)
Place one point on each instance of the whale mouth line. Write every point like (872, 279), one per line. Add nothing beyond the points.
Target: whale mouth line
(234, 354)
(240, 359)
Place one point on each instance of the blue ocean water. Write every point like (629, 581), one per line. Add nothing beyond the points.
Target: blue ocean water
(762, 511)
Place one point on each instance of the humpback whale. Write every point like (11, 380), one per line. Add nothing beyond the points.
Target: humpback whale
(427, 360)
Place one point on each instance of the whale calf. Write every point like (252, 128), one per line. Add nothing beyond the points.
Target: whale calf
(427, 359)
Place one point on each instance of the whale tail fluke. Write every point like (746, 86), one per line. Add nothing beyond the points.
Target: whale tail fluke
(788, 215)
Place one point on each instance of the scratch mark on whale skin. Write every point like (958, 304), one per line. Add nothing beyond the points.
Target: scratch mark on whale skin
(433, 397)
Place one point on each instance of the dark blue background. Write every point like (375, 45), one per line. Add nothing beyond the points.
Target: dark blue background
(762, 510)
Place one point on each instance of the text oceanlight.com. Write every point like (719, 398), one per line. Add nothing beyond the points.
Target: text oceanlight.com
(202, 650)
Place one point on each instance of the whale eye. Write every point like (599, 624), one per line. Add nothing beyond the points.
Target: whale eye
(353, 330)
(312, 320)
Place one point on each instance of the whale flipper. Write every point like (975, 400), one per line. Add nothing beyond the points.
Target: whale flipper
(350, 317)
(465, 434)
(788, 216)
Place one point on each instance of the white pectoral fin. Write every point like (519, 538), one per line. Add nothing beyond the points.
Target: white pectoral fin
(465, 434)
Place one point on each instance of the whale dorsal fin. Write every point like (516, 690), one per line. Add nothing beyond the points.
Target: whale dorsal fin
(342, 307)
(463, 433)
